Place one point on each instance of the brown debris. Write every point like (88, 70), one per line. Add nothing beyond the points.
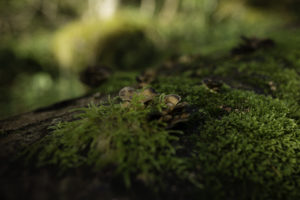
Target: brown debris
(94, 76)
(250, 45)
(230, 109)
(227, 108)
(213, 85)
(146, 78)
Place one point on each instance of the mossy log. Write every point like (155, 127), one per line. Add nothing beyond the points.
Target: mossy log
(241, 140)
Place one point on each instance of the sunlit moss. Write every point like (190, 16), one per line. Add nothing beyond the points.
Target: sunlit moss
(119, 43)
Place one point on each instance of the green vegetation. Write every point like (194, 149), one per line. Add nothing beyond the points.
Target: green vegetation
(242, 141)
(117, 81)
(39, 37)
(120, 43)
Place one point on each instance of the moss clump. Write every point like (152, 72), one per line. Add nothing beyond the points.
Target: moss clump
(254, 148)
(249, 150)
(110, 137)
(245, 145)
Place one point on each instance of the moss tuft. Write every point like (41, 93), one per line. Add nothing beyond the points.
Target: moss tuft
(112, 137)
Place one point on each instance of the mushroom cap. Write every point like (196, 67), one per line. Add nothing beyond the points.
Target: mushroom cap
(172, 100)
(149, 92)
(126, 93)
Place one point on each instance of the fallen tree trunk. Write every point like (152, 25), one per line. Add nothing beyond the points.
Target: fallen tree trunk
(240, 141)
(22, 131)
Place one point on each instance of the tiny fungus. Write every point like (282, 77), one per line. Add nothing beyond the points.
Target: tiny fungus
(148, 94)
(127, 93)
(174, 113)
(172, 100)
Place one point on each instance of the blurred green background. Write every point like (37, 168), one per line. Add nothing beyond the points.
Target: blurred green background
(44, 45)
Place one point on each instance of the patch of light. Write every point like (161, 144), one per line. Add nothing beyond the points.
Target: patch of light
(104, 9)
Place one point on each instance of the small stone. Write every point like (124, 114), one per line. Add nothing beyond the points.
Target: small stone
(127, 93)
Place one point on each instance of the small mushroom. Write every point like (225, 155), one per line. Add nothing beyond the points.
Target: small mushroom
(127, 93)
(172, 100)
(148, 94)
(272, 86)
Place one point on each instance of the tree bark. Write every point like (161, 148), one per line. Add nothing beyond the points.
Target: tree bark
(22, 131)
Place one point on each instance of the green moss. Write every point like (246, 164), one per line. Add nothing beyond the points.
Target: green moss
(110, 136)
(241, 142)
(250, 150)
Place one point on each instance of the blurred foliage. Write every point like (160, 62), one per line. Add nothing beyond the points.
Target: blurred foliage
(290, 6)
(18, 16)
(60, 37)
(118, 43)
